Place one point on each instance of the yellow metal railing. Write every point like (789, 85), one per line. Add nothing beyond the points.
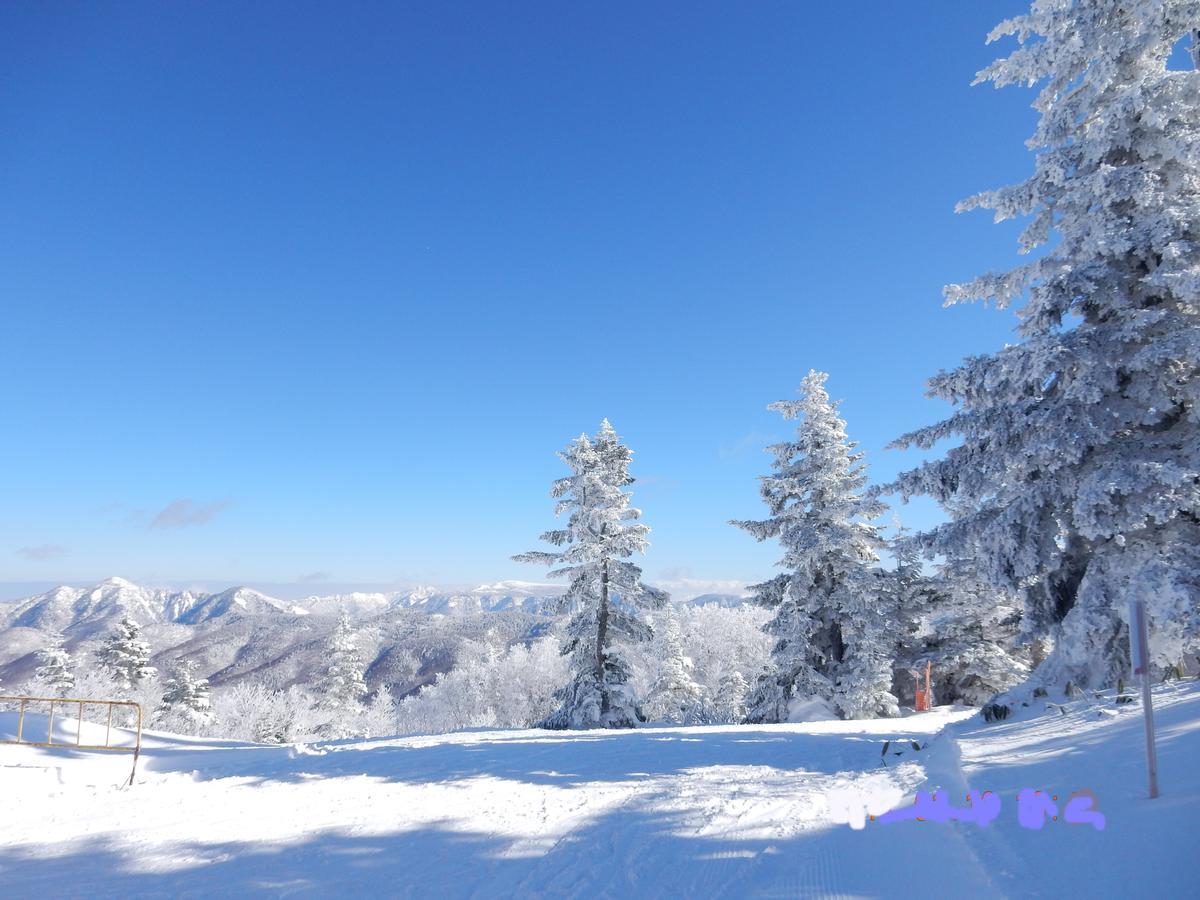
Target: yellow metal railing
(66, 702)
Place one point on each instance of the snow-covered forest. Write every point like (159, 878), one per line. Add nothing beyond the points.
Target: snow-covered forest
(386, 669)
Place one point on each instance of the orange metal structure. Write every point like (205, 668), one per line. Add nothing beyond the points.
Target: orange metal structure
(924, 698)
(77, 744)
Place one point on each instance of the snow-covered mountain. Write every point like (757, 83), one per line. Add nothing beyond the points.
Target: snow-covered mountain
(85, 612)
(408, 636)
(486, 598)
(503, 595)
(236, 601)
(728, 601)
(240, 632)
(356, 604)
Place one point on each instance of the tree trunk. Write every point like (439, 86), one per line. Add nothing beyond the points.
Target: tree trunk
(837, 642)
(601, 637)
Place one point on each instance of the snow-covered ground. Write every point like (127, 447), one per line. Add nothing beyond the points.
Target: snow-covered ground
(715, 811)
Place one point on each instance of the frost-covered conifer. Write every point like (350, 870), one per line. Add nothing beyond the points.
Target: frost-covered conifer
(967, 629)
(1075, 481)
(674, 696)
(605, 591)
(730, 703)
(185, 697)
(125, 656)
(973, 632)
(833, 619)
(343, 687)
(56, 671)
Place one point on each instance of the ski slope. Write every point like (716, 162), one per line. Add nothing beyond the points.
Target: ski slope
(715, 811)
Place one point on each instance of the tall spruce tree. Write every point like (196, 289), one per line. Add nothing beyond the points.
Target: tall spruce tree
(343, 686)
(833, 619)
(1076, 479)
(604, 591)
(125, 656)
(56, 671)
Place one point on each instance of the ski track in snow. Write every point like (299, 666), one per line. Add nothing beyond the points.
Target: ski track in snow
(716, 811)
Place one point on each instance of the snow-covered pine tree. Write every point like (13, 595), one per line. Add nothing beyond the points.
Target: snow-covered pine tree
(914, 598)
(967, 629)
(833, 619)
(1075, 482)
(185, 697)
(56, 671)
(730, 702)
(972, 632)
(125, 656)
(604, 591)
(674, 696)
(343, 687)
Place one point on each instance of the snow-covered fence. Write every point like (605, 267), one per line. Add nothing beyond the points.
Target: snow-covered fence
(65, 738)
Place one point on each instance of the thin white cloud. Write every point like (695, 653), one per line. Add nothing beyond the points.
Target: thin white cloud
(43, 551)
(184, 512)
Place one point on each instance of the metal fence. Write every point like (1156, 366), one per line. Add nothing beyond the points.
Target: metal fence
(66, 703)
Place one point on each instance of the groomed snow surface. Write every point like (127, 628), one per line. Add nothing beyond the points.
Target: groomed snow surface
(738, 811)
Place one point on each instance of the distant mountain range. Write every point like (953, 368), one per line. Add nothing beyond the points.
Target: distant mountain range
(729, 601)
(407, 637)
(82, 613)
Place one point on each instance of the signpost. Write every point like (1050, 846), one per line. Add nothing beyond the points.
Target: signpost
(1139, 651)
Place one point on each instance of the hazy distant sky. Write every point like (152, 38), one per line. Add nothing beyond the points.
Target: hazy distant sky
(312, 293)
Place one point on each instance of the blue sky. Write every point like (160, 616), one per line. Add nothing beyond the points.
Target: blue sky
(310, 294)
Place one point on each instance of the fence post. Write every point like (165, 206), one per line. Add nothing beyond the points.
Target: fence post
(1139, 651)
(137, 750)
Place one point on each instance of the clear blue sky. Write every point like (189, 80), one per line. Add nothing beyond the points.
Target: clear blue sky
(294, 290)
